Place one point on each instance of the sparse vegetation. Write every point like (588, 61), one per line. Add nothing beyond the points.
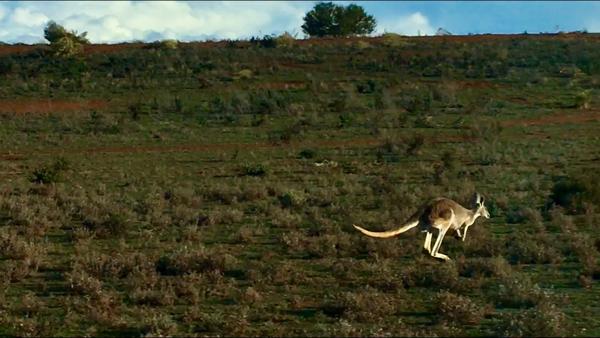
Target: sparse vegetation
(459, 309)
(210, 189)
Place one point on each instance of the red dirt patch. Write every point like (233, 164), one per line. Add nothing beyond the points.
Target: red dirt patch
(48, 106)
(558, 118)
(111, 48)
(15, 49)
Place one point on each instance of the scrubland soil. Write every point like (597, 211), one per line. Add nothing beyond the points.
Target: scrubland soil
(210, 189)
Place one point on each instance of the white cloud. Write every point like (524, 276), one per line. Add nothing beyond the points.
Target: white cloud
(413, 24)
(151, 20)
(27, 17)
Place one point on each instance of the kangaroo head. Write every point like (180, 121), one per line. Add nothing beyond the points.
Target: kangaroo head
(478, 204)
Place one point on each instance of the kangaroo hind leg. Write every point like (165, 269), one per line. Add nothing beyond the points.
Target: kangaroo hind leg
(438, 243)
(427, 243)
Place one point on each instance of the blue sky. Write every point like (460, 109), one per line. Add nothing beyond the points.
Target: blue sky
(109, 22)
(464, 17)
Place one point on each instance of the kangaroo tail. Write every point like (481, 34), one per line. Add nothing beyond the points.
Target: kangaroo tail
(390, 233)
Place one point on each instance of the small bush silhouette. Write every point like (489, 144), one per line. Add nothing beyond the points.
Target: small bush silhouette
(267, 41)
(254, 170)
(572, 193)
(64, 43)
(307, 153)
(169, 44)
(49, 173)
(285, 40)
(292, 198)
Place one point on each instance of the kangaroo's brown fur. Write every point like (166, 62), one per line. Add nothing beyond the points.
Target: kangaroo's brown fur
(442, 214)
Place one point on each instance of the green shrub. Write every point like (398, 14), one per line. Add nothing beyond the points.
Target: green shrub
(188, 260)
(535, 249)
(99, 123)
(582, 246)
(415, 144)
(245, 74)
(367, 87)
(113, 266)
(485, 267)
(155, 323)
(388, 151)
(572, 192)
(583, 99)
(543, 320)
(110, 223)
(267, 41)
(485, 129)
(64, 43)
(365, 306)
(524, 214)
(441, 276)
(567, 193)
(292, 198)
(417, 101)
(307, 153)
(66, 46)
(395, 40)
(168, 44)
(285, 135)
(161, 296)
(481, 242)
(459, 309)
(254, 170)
(518, 291)
(83, 283)
(285, 40)
(326, 245)
(49, 173)
(339, 104)
(19, 257)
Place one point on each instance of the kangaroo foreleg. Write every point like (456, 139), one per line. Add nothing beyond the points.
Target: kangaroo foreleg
(465, 233)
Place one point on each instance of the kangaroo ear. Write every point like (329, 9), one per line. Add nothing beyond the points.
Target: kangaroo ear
(478, 198)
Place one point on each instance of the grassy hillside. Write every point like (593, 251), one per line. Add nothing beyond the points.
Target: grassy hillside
(210, 189)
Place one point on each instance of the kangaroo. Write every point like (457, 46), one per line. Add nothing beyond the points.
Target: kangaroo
(442, 214)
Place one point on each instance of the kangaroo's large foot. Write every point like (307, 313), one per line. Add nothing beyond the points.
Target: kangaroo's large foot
(442, 256)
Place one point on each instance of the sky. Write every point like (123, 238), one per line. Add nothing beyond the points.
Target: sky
(125, 21)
